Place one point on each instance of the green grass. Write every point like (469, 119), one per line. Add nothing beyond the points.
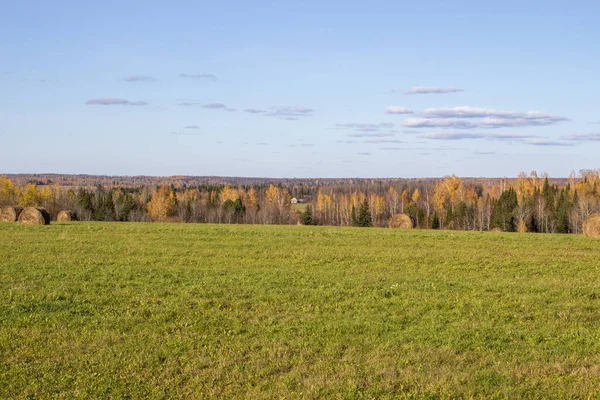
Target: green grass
(134, 310)
(300, 207)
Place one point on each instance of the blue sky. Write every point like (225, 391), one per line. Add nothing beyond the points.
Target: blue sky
(300, 89)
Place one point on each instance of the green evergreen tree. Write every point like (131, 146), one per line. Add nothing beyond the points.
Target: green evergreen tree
(562, 213)
(109, 207)
(127, 206)
(364, 214)
(504, 209)
(84, 200)
(435, 222)
(353, 219)
(307, 216)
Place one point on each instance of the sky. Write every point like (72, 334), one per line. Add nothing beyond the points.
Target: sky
(300, 89)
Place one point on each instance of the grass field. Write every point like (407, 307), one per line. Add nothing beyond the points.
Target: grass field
(135, 310)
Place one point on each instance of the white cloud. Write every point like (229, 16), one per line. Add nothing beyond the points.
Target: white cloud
(218, 106)
(485, 118)
(371, 134)
(583, 137)
(379, 141)
(140, 78)
(398, 110)
(488, 118)
(289, 113)
(438, 123)
(453, 136)
(433, 90)
(367, 127)
(471, 135)
(548, 142)
(112, 101)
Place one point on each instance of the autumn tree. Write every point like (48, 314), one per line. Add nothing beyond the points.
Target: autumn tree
(163, 204)
(30, 197)
(9, 192)
(278, 204)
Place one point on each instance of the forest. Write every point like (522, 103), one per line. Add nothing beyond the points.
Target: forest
(528, 203)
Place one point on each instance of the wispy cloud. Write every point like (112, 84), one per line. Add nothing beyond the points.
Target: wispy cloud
(214, 106)
(423, 148)
(485, 118)
(511, 136)
(290, 112)
(493, 117)
(209, 77)
(483, 152)
(364, 153)
(453, 136)
(254, 111)
(433, 90)
(368, 127)
(191, 127)
(140, 78)
(549, 142)
(583, 137)
(379, 141)
(112, 101)
(470, 135)
(188, 103)
(398, 110)
(438, 123)
(371, 134)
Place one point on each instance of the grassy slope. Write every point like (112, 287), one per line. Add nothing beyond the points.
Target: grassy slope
(191, 311)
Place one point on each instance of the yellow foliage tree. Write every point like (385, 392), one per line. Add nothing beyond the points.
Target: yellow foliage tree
(8, 191)
(416, 196)
(229, 193)
(163, 204)
(30, 197)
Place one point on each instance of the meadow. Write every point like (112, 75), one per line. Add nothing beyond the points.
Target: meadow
(150, 310)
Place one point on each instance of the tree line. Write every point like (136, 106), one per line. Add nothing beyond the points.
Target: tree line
(528, 203)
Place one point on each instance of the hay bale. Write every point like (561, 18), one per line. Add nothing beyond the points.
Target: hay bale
(66, 215)
(10, 213)
(591, 226)
(401, 221)
(34, 216)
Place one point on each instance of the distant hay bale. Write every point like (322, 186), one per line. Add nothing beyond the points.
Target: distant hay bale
(401, 221)
(591, 226)
(34, 216)
(10, 213)
(66, 215)
(496, 230)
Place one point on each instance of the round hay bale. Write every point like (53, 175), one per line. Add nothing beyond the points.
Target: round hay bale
(10, 213)
(591, 226)
(496, 230)
(401, 221)
(34, 216)
(66, 215)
